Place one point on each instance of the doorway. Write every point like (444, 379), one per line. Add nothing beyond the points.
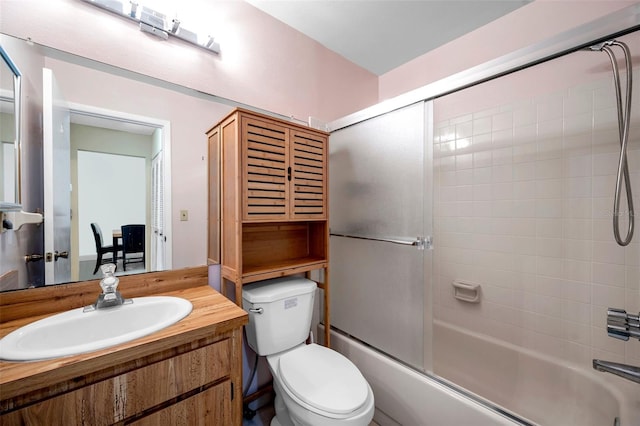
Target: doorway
(104, 148)
(117, 179)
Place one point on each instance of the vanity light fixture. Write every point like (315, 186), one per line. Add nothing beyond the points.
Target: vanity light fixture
(175, 26)
(134, 9)
(154, 22)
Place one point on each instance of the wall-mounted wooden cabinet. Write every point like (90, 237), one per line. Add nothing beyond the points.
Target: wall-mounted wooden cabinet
(273, 199)
(283, 172)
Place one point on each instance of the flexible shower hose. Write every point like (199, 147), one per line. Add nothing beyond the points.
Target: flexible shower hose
(624, 122)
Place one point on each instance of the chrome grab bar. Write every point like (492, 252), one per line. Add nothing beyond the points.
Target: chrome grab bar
(628, 372)
(420, 242)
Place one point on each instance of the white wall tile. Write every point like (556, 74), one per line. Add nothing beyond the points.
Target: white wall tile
(604, 295)
(577, 166)
(548, 208)
(548, 169)
(550, 146)
(526, 209)
(609, 274)
(481, 125)
(464, 177)
(482, 159)
(577, 145)
(578, 124)
(549, 188)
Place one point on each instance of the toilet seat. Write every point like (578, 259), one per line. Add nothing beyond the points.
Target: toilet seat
(323, 379)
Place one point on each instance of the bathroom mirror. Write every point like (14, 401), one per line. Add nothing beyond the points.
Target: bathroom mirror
(10, 80)
(93, 90)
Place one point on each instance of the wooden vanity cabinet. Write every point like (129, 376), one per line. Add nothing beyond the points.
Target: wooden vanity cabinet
(273, 200)
(189, 373)
(194, 387)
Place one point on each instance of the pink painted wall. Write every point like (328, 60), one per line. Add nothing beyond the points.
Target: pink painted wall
(528, 25)
(263, 62)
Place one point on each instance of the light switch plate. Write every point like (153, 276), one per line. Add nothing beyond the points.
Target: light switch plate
(184, 215)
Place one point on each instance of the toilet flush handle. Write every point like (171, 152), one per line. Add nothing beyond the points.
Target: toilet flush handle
(256, 310)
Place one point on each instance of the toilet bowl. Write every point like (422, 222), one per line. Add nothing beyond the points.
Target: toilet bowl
(320, 387)
(314, 385)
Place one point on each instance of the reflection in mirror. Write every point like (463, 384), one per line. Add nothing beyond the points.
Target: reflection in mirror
(97, 180)
(107, 154)
(10, 80)
(118, 123)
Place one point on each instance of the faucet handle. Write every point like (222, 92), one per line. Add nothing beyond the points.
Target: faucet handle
(622, 325)
(109, 283)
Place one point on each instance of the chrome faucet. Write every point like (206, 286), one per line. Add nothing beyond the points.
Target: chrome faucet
(621, 325)
(628, 372)
(110, 295)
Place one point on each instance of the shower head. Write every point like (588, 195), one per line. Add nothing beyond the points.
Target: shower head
(595, 47)
(599, 46)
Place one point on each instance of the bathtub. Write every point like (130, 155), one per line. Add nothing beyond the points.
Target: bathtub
(406, 397)
(541, 389)
(546, 392)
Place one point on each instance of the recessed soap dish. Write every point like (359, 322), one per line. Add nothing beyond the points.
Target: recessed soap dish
(466, 291)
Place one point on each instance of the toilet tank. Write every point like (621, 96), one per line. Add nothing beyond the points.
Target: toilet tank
(280, 312)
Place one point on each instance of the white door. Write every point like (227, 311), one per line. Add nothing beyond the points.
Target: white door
(158, 237)
(57, 182)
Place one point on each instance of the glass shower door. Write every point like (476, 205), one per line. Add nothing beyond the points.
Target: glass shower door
(378, 232)
(524, 181)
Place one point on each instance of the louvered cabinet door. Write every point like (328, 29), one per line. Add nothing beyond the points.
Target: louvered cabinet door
(308, 162)
(265, 186)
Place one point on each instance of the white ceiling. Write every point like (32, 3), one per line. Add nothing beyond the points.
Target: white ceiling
(380, 35)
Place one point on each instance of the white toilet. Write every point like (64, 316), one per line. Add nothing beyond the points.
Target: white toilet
(314, 385)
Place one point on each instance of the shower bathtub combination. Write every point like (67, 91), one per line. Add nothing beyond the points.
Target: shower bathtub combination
(483, 258)
(547, 393)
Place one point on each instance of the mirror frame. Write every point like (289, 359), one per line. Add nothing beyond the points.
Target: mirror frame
(17, 90)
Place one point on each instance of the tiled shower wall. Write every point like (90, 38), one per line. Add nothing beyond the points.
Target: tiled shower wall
(523, 199)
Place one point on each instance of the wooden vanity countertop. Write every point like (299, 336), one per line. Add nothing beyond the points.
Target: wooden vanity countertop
(212, 315)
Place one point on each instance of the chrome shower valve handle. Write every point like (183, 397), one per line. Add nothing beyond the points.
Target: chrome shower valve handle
(622, 325)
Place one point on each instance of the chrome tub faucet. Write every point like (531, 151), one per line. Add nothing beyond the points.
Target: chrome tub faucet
(628, 372)
(623, 326)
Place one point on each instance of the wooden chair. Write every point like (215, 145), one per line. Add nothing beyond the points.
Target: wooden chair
(133, 242)
(102, 249)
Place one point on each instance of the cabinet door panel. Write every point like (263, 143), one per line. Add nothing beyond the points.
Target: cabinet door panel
(211, 407)
(309, 172)
(116, 399)
(266, 190)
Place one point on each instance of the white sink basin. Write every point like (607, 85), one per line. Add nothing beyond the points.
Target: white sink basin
(75, 332)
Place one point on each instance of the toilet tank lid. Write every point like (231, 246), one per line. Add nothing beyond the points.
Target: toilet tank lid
(277, 289)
